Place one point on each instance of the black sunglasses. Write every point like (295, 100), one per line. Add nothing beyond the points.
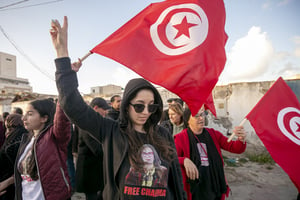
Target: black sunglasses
(138, 108)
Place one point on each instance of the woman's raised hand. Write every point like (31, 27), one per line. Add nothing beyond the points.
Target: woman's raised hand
(59, 35)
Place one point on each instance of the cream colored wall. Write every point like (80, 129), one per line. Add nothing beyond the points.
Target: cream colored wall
(237, 100)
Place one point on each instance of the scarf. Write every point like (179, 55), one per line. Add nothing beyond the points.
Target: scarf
(216, 170)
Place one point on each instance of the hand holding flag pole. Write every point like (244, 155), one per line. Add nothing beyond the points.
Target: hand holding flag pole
(233, 134)
(76, 65)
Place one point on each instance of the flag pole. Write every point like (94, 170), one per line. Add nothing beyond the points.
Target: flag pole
(233, 134)
(76, 65)
(85, 56)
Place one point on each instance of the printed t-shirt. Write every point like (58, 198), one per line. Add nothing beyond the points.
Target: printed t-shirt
(148, 182)
(205, 187)
(31, 189)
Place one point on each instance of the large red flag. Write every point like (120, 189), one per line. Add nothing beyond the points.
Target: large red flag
(209, 104)
(276, 120)
(177, 44)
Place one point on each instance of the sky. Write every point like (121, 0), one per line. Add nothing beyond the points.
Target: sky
(263, 39)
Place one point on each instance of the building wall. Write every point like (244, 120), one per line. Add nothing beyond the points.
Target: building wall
(165, 95)
(9, 82)
(108, 90)
(234, 101)
(8, 65)
(5, 105)
(244, 97)
(295, 86)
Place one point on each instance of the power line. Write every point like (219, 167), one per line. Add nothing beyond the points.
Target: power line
(13, 4)
(39, 4)
(25, 56)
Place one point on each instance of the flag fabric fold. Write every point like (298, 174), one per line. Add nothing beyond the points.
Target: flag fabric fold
(276, 120)
(176, 44)
(209, 104)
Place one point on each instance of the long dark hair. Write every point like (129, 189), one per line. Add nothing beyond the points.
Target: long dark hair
(163, 147)
(44, 107)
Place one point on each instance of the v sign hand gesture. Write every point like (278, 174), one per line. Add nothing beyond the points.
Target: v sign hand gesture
(59, 37)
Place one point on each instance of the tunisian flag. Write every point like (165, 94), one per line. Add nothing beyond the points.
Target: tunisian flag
(176, 44)
(276, 120)
(209, 104)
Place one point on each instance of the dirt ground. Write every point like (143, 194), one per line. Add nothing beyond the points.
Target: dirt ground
(252, 181)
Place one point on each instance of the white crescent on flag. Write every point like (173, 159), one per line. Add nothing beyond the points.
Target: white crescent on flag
(288, 121)
(179, 29)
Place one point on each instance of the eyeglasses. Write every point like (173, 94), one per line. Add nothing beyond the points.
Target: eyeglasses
(148, 153)
(203, 114)
(138, 108)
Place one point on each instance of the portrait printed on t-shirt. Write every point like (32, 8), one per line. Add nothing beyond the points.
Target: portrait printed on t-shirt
(150, 179)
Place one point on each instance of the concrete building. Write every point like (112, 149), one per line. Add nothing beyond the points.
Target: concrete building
(165, 95)
(106, 91)
(10, 84)
(8, 65)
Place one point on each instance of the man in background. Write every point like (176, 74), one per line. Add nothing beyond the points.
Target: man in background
(89, 168)
(17, 110)
(114, 112)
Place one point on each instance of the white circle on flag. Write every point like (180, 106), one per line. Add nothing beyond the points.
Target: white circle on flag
(294, 124)
(180, 29)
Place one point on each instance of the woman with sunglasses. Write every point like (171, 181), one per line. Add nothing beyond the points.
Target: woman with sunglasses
(200, 158)
(122, 140)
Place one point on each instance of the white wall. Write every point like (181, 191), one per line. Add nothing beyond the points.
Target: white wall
(238, 100)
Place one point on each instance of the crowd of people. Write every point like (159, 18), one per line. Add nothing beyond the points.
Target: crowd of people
(128, 150)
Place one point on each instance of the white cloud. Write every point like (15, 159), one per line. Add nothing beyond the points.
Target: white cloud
(249, 58)
(281, 55)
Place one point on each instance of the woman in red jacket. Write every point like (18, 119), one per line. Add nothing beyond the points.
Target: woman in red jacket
(200, 158)
(40, 168)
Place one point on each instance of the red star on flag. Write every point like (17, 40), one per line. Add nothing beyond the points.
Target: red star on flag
(183, 28)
